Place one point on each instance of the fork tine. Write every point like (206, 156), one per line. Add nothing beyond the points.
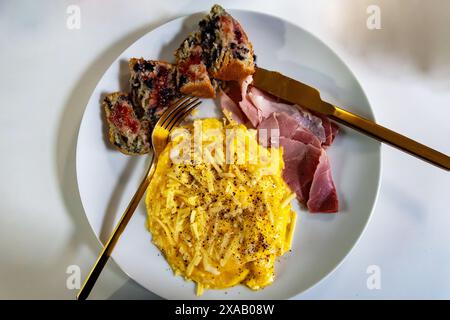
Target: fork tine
(175, 109)
(174, 115)
(166, 114)
(183, 114)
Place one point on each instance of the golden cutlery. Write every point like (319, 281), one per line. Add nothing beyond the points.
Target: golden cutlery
(160, 136)
(303, 95)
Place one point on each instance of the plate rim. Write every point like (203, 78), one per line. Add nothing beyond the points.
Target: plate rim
(371, 112)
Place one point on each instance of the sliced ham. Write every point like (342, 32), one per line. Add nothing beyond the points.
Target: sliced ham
(288, 125)
(267, 105)
(300, 163)
(334, 131)
(323, 195)
(307, 172)
(331, 130)
(281, 123)
(312, 123)
(250, 112)
(302, 134)
(228, 105)
(269, 123)
(247, 107)
(288, 128)
(305, 136)
(327, 127)
(266, 128)
(258, 105)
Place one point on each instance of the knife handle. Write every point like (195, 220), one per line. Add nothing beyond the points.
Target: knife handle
(392, 138)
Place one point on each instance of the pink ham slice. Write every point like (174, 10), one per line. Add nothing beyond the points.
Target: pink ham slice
(300, 163)
(327, 127)
(257, 106)
(288, 125)
(303, 137)
(288, 128)
(331, 130)
(266, 129)
(230, 106)
(306, 137)
(267, 105)
(307, 172)
(247, 107)
(334, 131)
(322, 195)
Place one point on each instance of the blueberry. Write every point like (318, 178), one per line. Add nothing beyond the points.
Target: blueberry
(214, 54)
(165, 95)
(162, 72)
(148, 66)
(137, 67)
(149, 83)
(183, 80)
(238, 35)
(238, 55)
(108, 103)
(139, 111)
(215, 21)
(191, 41)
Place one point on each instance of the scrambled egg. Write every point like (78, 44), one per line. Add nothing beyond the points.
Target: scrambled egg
(222, 215)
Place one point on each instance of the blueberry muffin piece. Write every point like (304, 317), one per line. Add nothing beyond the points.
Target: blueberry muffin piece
(192, 75)
(153, 87)
(129, 133)
(227, 51)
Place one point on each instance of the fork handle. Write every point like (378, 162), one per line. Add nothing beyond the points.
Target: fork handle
(392, 138)
(109, 246)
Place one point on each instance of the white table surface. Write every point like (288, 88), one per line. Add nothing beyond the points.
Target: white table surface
(47, 75)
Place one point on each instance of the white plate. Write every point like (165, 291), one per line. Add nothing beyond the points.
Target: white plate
(107, 179)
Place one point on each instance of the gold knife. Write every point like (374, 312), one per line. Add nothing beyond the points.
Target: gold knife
(308, 97)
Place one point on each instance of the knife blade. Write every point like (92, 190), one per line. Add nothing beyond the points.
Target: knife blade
(291, 90)
(303, 95)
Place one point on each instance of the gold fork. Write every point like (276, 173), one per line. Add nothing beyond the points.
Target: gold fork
(160, 136)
